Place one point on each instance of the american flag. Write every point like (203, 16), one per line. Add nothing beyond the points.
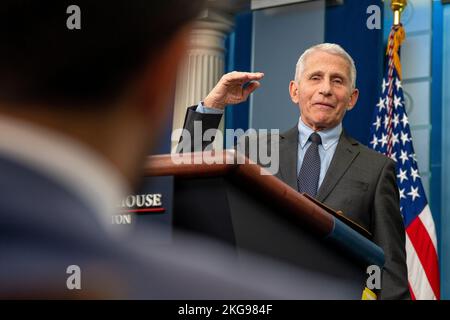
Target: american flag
(391, 135)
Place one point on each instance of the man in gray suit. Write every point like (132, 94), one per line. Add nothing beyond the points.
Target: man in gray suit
(317, 156)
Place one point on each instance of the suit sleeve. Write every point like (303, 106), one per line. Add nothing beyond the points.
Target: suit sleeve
(389, 234)
(195, 125)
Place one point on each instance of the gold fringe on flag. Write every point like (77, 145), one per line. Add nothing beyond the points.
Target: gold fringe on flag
(399, 37)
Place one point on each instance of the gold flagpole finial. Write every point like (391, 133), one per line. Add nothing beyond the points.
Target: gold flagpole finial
(398, 6)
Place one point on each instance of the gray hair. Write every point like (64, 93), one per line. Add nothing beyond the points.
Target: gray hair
(330, 48)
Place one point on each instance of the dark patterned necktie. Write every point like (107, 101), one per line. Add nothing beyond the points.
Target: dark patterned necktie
(308, 177)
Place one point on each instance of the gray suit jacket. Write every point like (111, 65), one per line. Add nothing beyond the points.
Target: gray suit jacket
(359, 182)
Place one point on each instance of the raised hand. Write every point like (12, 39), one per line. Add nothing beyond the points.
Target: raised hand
(230, 89)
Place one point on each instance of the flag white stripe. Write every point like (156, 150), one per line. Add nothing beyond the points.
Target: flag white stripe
(416, 274)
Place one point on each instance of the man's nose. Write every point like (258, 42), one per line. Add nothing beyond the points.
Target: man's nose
(325, 88)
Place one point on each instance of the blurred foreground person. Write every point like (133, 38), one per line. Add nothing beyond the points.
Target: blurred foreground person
(80, 108)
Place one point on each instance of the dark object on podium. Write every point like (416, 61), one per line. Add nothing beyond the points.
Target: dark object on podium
(216, 196)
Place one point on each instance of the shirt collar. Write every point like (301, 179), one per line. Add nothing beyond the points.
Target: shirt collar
(328, 136)
(101, 186)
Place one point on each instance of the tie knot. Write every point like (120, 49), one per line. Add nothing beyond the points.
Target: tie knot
(315, 138)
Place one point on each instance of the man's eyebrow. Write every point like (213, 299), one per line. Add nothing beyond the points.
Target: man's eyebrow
(338, 74)
(314, 73)
(321, 73)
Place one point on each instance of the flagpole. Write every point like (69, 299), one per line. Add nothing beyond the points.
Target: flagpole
(398, 6)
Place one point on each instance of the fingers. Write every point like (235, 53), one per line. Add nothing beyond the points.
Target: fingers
(251, 87)
(242, 77)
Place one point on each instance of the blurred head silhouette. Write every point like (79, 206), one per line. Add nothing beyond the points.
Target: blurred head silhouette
(107, 83)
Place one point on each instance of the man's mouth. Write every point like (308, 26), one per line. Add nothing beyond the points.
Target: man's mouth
(323, 105)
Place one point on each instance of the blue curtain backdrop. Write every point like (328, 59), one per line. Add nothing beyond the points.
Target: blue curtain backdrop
(238, 57)
(346, 26)
(444, 13)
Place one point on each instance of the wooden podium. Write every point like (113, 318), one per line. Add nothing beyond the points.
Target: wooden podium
(217, 197)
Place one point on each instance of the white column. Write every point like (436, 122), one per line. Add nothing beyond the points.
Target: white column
(203, 65)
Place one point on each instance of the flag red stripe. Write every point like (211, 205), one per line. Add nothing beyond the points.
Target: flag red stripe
(426, 252)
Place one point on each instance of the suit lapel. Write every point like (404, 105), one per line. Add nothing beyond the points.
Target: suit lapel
(288, 157)
(346, 152)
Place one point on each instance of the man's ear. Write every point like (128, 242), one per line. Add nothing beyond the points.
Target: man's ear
(353, 99)
(293, 91)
